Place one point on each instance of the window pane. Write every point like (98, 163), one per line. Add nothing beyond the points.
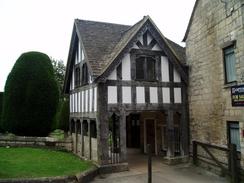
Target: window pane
(84, 74)
(140, 68)
(235, 135)
(77, 76)
(230, 65)
(150, 68)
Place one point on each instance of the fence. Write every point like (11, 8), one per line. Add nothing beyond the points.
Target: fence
(226, 158)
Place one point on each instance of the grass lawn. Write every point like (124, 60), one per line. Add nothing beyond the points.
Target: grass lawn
(23, 162)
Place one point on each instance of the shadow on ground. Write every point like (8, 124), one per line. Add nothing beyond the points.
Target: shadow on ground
(162, 173)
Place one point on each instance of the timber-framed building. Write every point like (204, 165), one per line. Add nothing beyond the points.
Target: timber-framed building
(127, 88)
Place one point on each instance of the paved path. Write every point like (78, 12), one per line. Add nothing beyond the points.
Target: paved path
(184, 173)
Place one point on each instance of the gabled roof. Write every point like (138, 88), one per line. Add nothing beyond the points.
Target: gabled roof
(99, 40)
(190, 21)
(103, 42)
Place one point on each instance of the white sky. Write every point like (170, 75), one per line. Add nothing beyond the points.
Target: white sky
(46, 25)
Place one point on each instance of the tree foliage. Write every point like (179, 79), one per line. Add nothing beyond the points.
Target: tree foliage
(61, 120)
(59, 72)
(62, 115)
(1, 104)
(31, 96)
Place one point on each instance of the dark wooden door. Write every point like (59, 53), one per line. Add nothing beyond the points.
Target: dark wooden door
(133, 131)
(150, 135)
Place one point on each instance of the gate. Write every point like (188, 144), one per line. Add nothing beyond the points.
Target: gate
(114, 139)
(229, 164)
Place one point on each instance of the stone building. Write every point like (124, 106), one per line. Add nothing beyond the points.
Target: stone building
(127, 88)
(215, 56)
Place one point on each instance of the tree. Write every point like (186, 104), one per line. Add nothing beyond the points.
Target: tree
(61, 120)
(1, 104)
(59, 72)
(62, 116)
(31, 96)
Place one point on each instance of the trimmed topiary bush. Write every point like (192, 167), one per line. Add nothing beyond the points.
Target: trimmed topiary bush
(31, 96)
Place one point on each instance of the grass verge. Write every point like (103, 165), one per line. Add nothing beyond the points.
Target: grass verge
(24, 162)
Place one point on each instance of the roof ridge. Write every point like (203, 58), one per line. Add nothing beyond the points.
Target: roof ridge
(174, 42)
(102, 22)
(109, 57)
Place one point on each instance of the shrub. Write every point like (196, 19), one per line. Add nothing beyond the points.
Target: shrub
(1, 104)
(62, 116)
(31, 96)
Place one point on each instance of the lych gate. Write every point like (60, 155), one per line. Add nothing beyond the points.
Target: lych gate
(129, 94)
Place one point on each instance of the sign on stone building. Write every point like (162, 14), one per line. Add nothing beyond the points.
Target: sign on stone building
(237, 95)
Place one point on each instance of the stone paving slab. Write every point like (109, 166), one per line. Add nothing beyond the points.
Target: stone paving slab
(162, 173)
(168, 175)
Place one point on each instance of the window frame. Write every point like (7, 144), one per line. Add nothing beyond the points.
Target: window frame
(77, 79)
(85, 75)
(145, 67)
(224, 62)
(229, 130)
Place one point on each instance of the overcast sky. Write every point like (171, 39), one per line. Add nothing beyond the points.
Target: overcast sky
(46, 25)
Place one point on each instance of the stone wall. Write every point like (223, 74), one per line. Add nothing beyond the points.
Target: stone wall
(20, 141)
(86, 147)
(94, 149)
(214, 26)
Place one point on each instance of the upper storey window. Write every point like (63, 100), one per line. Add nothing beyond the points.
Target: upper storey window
(79, 56)
(84, 74)
(229, 63)
(77, 75)
(145, 68)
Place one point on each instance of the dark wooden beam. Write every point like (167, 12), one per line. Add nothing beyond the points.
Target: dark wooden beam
(144, 83)
(146, 52)
(138, 43)
(147, 95)
(102, 120)
(119, 72)
(144, 39)
(170, 131)
(144, 107)
(123, 149)
(152, 44)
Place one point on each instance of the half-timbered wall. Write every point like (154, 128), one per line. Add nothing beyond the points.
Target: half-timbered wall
(84, 100)
(121, 92)
(83, 107)
(157, 92)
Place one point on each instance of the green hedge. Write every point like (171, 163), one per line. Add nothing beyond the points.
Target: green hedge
(1, 105)
(62, 116)
(31, 96)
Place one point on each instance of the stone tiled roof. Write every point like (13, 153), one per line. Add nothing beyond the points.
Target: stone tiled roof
(99, 40)
(179, 50)
(103, 41)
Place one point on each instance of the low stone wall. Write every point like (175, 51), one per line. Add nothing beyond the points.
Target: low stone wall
(94, 149)
(22, 141)
(86, 147)
(83, 177)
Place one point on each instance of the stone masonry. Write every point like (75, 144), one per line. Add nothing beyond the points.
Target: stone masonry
(215, 24)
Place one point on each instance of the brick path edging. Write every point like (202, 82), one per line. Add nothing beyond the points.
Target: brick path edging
(82, 177)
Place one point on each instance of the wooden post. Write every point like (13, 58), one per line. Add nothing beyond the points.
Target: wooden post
(76, 137)
(194, 152)
(89, 135)
(149, 163)
(233, 164)
(82, 137)
(122, 134)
